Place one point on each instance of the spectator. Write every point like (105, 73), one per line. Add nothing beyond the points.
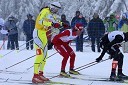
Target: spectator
(65, 23)
(79, 40)
(112, 23)
(2, 35)
(122, 21)
(28, 27)
(10, 25)
(96, 30)
(123, 26)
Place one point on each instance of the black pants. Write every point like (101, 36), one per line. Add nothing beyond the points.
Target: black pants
(97, 40)
(9, 43)
(29, 41)
(79, 43)
(117, 56)
(14, 41)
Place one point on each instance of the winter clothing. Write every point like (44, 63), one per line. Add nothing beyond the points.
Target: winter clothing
(124, 28)
(79, 39)
(10, 25)
(28, 27)
(110, 43)
(43, 23)
(65, 23)
(61, 44)
(96, 30)
(112, 23)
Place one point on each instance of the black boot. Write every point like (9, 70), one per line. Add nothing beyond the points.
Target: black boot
(112, 76)
(122, 76)
(64, 74)
(72, 71)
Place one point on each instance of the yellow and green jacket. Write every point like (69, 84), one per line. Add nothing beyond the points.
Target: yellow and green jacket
(44, 19)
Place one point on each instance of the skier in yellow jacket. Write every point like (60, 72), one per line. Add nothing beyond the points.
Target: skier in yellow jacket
(44, 21)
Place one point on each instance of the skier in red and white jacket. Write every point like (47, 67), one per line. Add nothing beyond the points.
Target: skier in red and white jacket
(61, 44)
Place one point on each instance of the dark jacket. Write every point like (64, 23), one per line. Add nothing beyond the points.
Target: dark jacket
(78, 20)
(66, 25)
(10, 25)
(28, 26)
(96, 28)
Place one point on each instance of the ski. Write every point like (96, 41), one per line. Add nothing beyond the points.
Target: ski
(106, 80)
(3, 80)
(45, 83)
(71, 76)
(11, 72)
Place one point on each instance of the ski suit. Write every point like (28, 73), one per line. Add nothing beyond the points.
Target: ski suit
(43, 22)
(61, 44)
(110, 43)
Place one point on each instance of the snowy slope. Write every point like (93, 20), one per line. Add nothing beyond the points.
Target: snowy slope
(101, 70)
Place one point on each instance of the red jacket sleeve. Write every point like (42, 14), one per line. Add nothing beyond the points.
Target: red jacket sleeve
(57, 39)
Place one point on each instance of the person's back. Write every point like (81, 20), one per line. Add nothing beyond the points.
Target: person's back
(110, 44)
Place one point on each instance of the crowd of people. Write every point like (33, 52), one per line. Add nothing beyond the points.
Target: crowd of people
(48, 31)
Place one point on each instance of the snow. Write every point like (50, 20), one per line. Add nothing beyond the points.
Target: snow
(52, 68)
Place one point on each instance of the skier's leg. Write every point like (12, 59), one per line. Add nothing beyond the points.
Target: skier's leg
(61, 50)
(40, 45)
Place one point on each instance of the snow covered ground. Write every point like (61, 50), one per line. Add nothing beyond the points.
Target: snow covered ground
(52, 68)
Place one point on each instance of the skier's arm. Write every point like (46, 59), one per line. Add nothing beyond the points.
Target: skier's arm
(64, 33)
(118, 39)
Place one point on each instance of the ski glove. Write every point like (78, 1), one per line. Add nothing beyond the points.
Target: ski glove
(99, 59)
(8, 30)
(65, 25)
(56, 25)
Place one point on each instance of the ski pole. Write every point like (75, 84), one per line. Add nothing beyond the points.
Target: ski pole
(85, 65)
(92, 64)
(19, 62)
(46, 58)
(3, 43)
(21, 46)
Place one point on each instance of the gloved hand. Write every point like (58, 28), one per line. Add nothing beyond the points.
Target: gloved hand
(65, 25)
(56, 25)
(50, 45)
(99, 59)
(0, 27)
(8, 30)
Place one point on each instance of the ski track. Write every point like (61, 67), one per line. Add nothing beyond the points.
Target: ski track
(52, 68)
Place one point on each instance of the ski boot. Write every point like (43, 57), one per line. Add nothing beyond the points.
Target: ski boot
(122, 76)
(64, 74)
(36, 79)
(72, 71)
(115, 78)
(42, 76)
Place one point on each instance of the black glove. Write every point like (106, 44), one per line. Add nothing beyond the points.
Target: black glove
(56, 25)
(8, 30)
(0, 27)
(99, 59)
(50, 46)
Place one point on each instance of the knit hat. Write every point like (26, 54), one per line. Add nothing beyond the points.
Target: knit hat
(79, 26)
